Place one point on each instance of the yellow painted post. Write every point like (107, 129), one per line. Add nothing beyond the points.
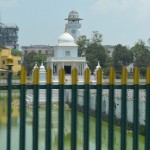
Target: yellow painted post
(87, 76)
(74, 76)
(36, 76)
(99, 76)
(136, 75)
(61, 76)
(148, 75)
(124, 76)
(23, 75)
(49, 76)
(112, 76)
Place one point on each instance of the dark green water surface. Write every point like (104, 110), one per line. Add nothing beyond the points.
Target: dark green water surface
(54, 129)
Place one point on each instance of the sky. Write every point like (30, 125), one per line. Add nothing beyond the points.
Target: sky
(41, 22)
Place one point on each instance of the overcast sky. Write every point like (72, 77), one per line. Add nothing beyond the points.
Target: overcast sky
(42, 21)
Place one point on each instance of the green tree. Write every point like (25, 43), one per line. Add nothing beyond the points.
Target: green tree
(16, 52)
(141, 56)
(122, 56)
(96, 52)
(39, 58)
(31, 58)
(82, 43)
(93, 50)
(96, 38)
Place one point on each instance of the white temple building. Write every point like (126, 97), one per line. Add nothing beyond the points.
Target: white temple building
(73, 25)
(66, 55)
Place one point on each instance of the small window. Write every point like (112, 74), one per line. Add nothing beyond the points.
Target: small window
(3, 62)
(67, 53)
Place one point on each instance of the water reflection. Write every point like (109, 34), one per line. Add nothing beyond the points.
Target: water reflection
(54, 129)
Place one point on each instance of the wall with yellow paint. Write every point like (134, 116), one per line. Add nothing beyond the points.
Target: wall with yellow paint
(4, 54)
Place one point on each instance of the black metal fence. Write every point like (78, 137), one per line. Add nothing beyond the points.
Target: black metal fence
(99, 87)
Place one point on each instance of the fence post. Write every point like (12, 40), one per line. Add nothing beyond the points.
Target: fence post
(22, 108)
(9, 64)
(86, 108)
(48, 109)
(35, 109)
(74, 110)
(111, 109)
(147, 124)
(136, 109)
(123, 109)
(61, 109)
(99, 110)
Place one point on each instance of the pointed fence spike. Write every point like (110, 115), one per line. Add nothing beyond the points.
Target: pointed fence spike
(74, 75)
(148, 75)
(136, 75)
(87, 76)
(124, 76)
(49, 76)
(61, 76)
(112, 76)
(36, 76)
(99, 76)
(23, 75)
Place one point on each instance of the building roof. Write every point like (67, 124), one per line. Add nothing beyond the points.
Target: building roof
(73, 15)
(2, 25)
(66, 39)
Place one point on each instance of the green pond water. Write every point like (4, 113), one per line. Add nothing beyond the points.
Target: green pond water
(54, 129)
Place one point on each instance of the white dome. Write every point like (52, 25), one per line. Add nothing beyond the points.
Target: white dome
(98, 66)
(73, 14)
(42, 66)
(35, 66)
(66, 39)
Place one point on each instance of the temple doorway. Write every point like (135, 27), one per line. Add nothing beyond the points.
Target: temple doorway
(67, 69)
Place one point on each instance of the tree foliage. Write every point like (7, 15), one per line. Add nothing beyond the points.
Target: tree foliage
(16, 52)
(122, 56)
(31, 58)
(96, 53)
(82, 43)
(141, 56)
(96, 38)
(93, 50)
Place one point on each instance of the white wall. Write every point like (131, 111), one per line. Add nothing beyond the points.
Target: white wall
(117, 103)
(60, 51)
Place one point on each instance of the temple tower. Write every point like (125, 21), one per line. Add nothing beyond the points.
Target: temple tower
(73, 26)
